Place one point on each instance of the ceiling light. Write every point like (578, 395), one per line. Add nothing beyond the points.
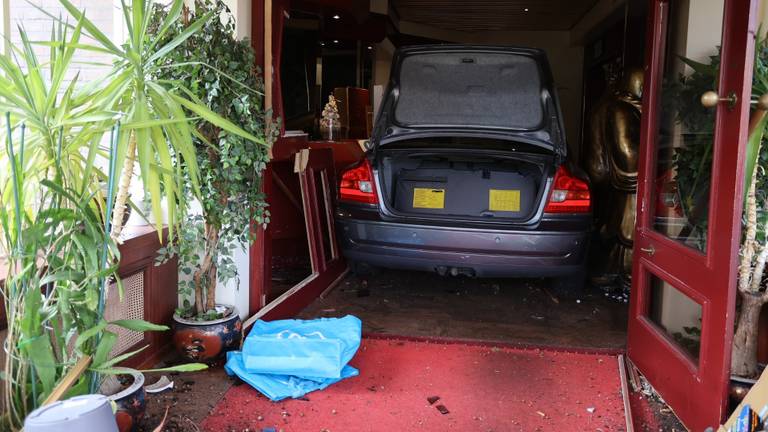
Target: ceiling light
(337, 16)
(335, 41)
(526, 9)
(322, 43)
(370, 47)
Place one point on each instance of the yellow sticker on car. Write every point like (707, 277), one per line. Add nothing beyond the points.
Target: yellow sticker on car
(428, 198)
(504, 200)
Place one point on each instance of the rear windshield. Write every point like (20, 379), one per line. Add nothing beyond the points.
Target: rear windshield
(470, 89)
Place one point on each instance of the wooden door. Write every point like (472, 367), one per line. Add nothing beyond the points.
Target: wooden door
(690, 184)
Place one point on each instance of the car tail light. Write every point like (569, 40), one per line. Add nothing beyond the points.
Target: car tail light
(569, 194)
(357, 184)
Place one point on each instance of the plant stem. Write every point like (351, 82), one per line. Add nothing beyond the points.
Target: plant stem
(212, 246)
(123, 188)
(744, 354)
(204, 300)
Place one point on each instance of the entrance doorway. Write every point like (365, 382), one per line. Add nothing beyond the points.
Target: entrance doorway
(678, 312)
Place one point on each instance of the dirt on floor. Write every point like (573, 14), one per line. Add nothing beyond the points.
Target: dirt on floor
(191, 400)
(523, 311)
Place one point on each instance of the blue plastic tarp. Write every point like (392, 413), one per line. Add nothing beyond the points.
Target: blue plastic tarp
(290, 358)
(279, 387)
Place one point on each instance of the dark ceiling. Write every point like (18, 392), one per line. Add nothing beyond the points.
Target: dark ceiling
(493, 15)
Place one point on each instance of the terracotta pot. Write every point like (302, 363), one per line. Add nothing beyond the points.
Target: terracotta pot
(207, 341)
(126, 390)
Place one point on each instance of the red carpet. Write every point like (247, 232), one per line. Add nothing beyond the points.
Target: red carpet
(483, 388)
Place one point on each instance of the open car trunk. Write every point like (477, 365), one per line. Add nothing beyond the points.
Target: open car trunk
(464, 183)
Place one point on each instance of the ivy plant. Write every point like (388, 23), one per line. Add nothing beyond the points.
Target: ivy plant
(219, 71)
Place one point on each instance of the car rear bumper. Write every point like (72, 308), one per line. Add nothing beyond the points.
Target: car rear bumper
(486, 252)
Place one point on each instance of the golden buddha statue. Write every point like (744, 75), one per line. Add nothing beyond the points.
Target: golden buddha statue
(611, 163)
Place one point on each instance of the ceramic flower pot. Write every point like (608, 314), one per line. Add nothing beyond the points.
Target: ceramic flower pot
(738, 389)
(126, 390)
(80, 413)
(207, 341)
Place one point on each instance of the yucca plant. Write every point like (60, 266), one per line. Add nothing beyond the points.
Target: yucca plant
(35, 92)
(60, 262)
(156, 128)
(754, 246)
(54, 218)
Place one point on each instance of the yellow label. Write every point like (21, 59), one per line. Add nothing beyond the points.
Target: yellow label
(504, 200)
(428, 198)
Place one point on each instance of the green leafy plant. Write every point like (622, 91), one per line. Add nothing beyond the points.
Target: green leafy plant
(60, 261)
(215, 69)
(754, 253)
(55, 248)
(50, 225)
(157, 130)
(754, 246)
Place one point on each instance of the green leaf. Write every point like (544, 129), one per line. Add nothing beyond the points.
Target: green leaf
(40, 352)
(206, 114)
(83, 337)
(117, 359)
(106, 344)
(170, 19)
(139, 325)
(188, 367)
(180, 38)
(91, 28)
(753, 151)
(60, 276)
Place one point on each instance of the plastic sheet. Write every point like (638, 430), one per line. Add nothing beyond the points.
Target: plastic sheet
(290, 358)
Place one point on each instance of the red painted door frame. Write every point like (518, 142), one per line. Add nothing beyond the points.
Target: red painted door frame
(696, 391)
(325, 271)
(260, 252)
(327, 264)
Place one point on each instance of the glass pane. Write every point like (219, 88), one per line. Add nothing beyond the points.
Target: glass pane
(676, 314)
(686, 127)
(291, 259)
(326, 218)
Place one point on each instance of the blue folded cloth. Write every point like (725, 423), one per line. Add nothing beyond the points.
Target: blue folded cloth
(279, 387)
(290, 358)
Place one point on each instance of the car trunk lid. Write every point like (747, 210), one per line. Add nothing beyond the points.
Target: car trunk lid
(437, 90)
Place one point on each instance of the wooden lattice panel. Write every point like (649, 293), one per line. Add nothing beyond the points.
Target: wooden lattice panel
(131, 306)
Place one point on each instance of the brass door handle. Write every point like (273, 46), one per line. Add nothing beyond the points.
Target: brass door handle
(710, 99)
(649, 250)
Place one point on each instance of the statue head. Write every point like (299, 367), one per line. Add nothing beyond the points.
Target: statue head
(632, 82)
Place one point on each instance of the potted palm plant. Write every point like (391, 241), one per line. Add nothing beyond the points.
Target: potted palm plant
(52, 234)
(57, 240)
(215, 69)
(157, 129)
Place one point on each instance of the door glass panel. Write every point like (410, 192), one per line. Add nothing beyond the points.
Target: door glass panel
(291, 257)
(677, 315)
(684, 144)
(326, 218)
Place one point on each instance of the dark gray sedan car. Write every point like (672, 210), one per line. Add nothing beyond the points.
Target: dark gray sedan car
(465, 173)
